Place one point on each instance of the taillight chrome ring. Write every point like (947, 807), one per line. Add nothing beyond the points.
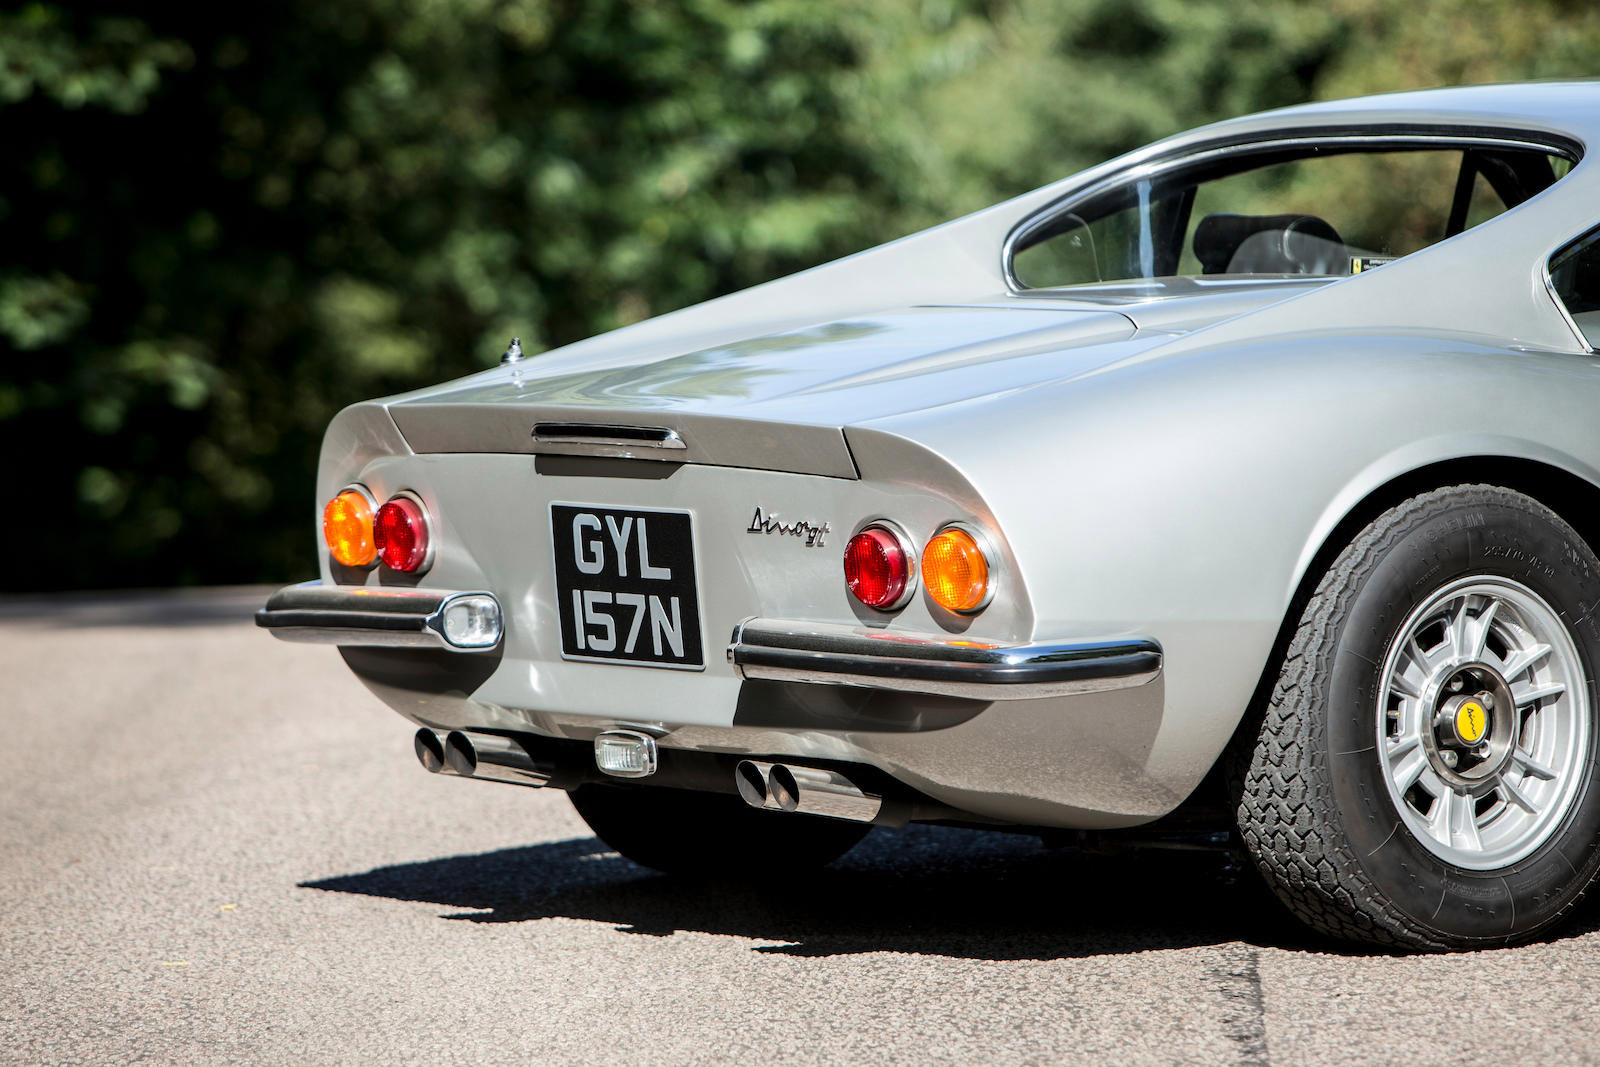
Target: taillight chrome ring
(985, 546)
(357, 487)
(426, 520)
(908, 552)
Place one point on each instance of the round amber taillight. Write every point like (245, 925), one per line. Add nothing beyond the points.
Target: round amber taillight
(955, 570)
(401, 533)
(877, 568)
(347, 528)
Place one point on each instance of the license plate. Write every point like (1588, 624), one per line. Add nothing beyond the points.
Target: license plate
(625, 586)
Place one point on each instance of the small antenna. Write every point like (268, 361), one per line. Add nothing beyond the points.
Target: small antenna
(514, 353)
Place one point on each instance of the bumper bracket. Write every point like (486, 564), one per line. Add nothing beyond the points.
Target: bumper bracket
(361, 615)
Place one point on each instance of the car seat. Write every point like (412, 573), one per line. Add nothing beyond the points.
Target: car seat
(1269, 244)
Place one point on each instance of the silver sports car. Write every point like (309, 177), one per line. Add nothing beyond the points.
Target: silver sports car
(1250, 480)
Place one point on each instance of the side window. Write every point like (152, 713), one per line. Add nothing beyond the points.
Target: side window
(1575, 276)
(1134, 234)
(1363, 206)
(1326, 210)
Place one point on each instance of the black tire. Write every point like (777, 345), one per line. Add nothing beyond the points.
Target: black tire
(1316, 810)
(710, 835)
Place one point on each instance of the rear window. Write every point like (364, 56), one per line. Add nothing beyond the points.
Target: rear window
(1327, 210)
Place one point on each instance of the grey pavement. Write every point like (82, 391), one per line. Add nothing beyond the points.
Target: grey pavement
(217, 847)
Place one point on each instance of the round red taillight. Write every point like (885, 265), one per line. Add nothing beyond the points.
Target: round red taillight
(401, 534)
(877, 568)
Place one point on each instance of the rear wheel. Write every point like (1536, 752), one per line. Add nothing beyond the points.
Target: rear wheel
(710, 834)
(1425, 773)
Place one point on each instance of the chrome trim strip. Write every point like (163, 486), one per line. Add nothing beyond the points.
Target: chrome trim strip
(1150, 168)
(314, 613)
(620, 440)
(1555, 297)
(827, 654)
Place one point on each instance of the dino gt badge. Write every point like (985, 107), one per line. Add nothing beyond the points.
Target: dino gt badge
(768, 523)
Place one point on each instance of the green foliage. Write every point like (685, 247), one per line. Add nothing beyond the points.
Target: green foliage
(223, 224)
(110, 62)
(37, 312)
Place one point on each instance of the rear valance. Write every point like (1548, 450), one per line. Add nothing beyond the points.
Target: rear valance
(675, 437)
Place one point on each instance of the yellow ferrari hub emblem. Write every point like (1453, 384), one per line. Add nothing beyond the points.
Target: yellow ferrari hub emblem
(1471, 722)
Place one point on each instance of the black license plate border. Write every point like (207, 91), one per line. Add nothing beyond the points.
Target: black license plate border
(560, 592)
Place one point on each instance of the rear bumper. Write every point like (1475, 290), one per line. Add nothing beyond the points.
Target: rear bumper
(1041, 733)
(945, 666)
(408, 618)
(764, 649)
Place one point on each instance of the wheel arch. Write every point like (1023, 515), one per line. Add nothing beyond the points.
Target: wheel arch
(1572, 496)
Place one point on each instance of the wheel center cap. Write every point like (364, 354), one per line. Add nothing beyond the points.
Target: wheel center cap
(1473, 733)
(1470, 722)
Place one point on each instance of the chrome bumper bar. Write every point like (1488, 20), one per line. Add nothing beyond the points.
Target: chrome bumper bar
(410, 618)
(947, 666)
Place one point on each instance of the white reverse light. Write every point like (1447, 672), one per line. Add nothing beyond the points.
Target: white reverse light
(625, 754)
(471, 621)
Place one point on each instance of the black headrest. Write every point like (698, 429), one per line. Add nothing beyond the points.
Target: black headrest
(1290, 244)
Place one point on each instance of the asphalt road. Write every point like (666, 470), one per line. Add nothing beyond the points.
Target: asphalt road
(218, 847)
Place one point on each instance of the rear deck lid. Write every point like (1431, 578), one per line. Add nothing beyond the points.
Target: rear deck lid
(777, 402)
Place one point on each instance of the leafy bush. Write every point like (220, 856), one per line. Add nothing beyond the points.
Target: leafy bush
(222, 224)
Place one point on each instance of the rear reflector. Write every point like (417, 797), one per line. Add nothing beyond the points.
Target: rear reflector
(347, 528)
(401, 534)
(877, 568)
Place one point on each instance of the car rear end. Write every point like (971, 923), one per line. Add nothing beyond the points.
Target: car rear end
(713, 603)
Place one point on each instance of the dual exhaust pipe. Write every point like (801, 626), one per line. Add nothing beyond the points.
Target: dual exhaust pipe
(487, 756)
(769, 786)
(809, 790)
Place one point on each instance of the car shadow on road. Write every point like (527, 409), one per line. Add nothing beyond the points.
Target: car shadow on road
(923, 889)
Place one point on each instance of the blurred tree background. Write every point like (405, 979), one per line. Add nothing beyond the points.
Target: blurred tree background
(220, 224)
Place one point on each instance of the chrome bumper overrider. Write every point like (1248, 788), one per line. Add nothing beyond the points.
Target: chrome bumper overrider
(947, 666)
(415, 618)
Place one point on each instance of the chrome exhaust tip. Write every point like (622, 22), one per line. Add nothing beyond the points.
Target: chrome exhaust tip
(490, 757)
(493, 758)
(461, 754)
(752, 783)
(783, 789)
(809, 790)
(430, 750)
